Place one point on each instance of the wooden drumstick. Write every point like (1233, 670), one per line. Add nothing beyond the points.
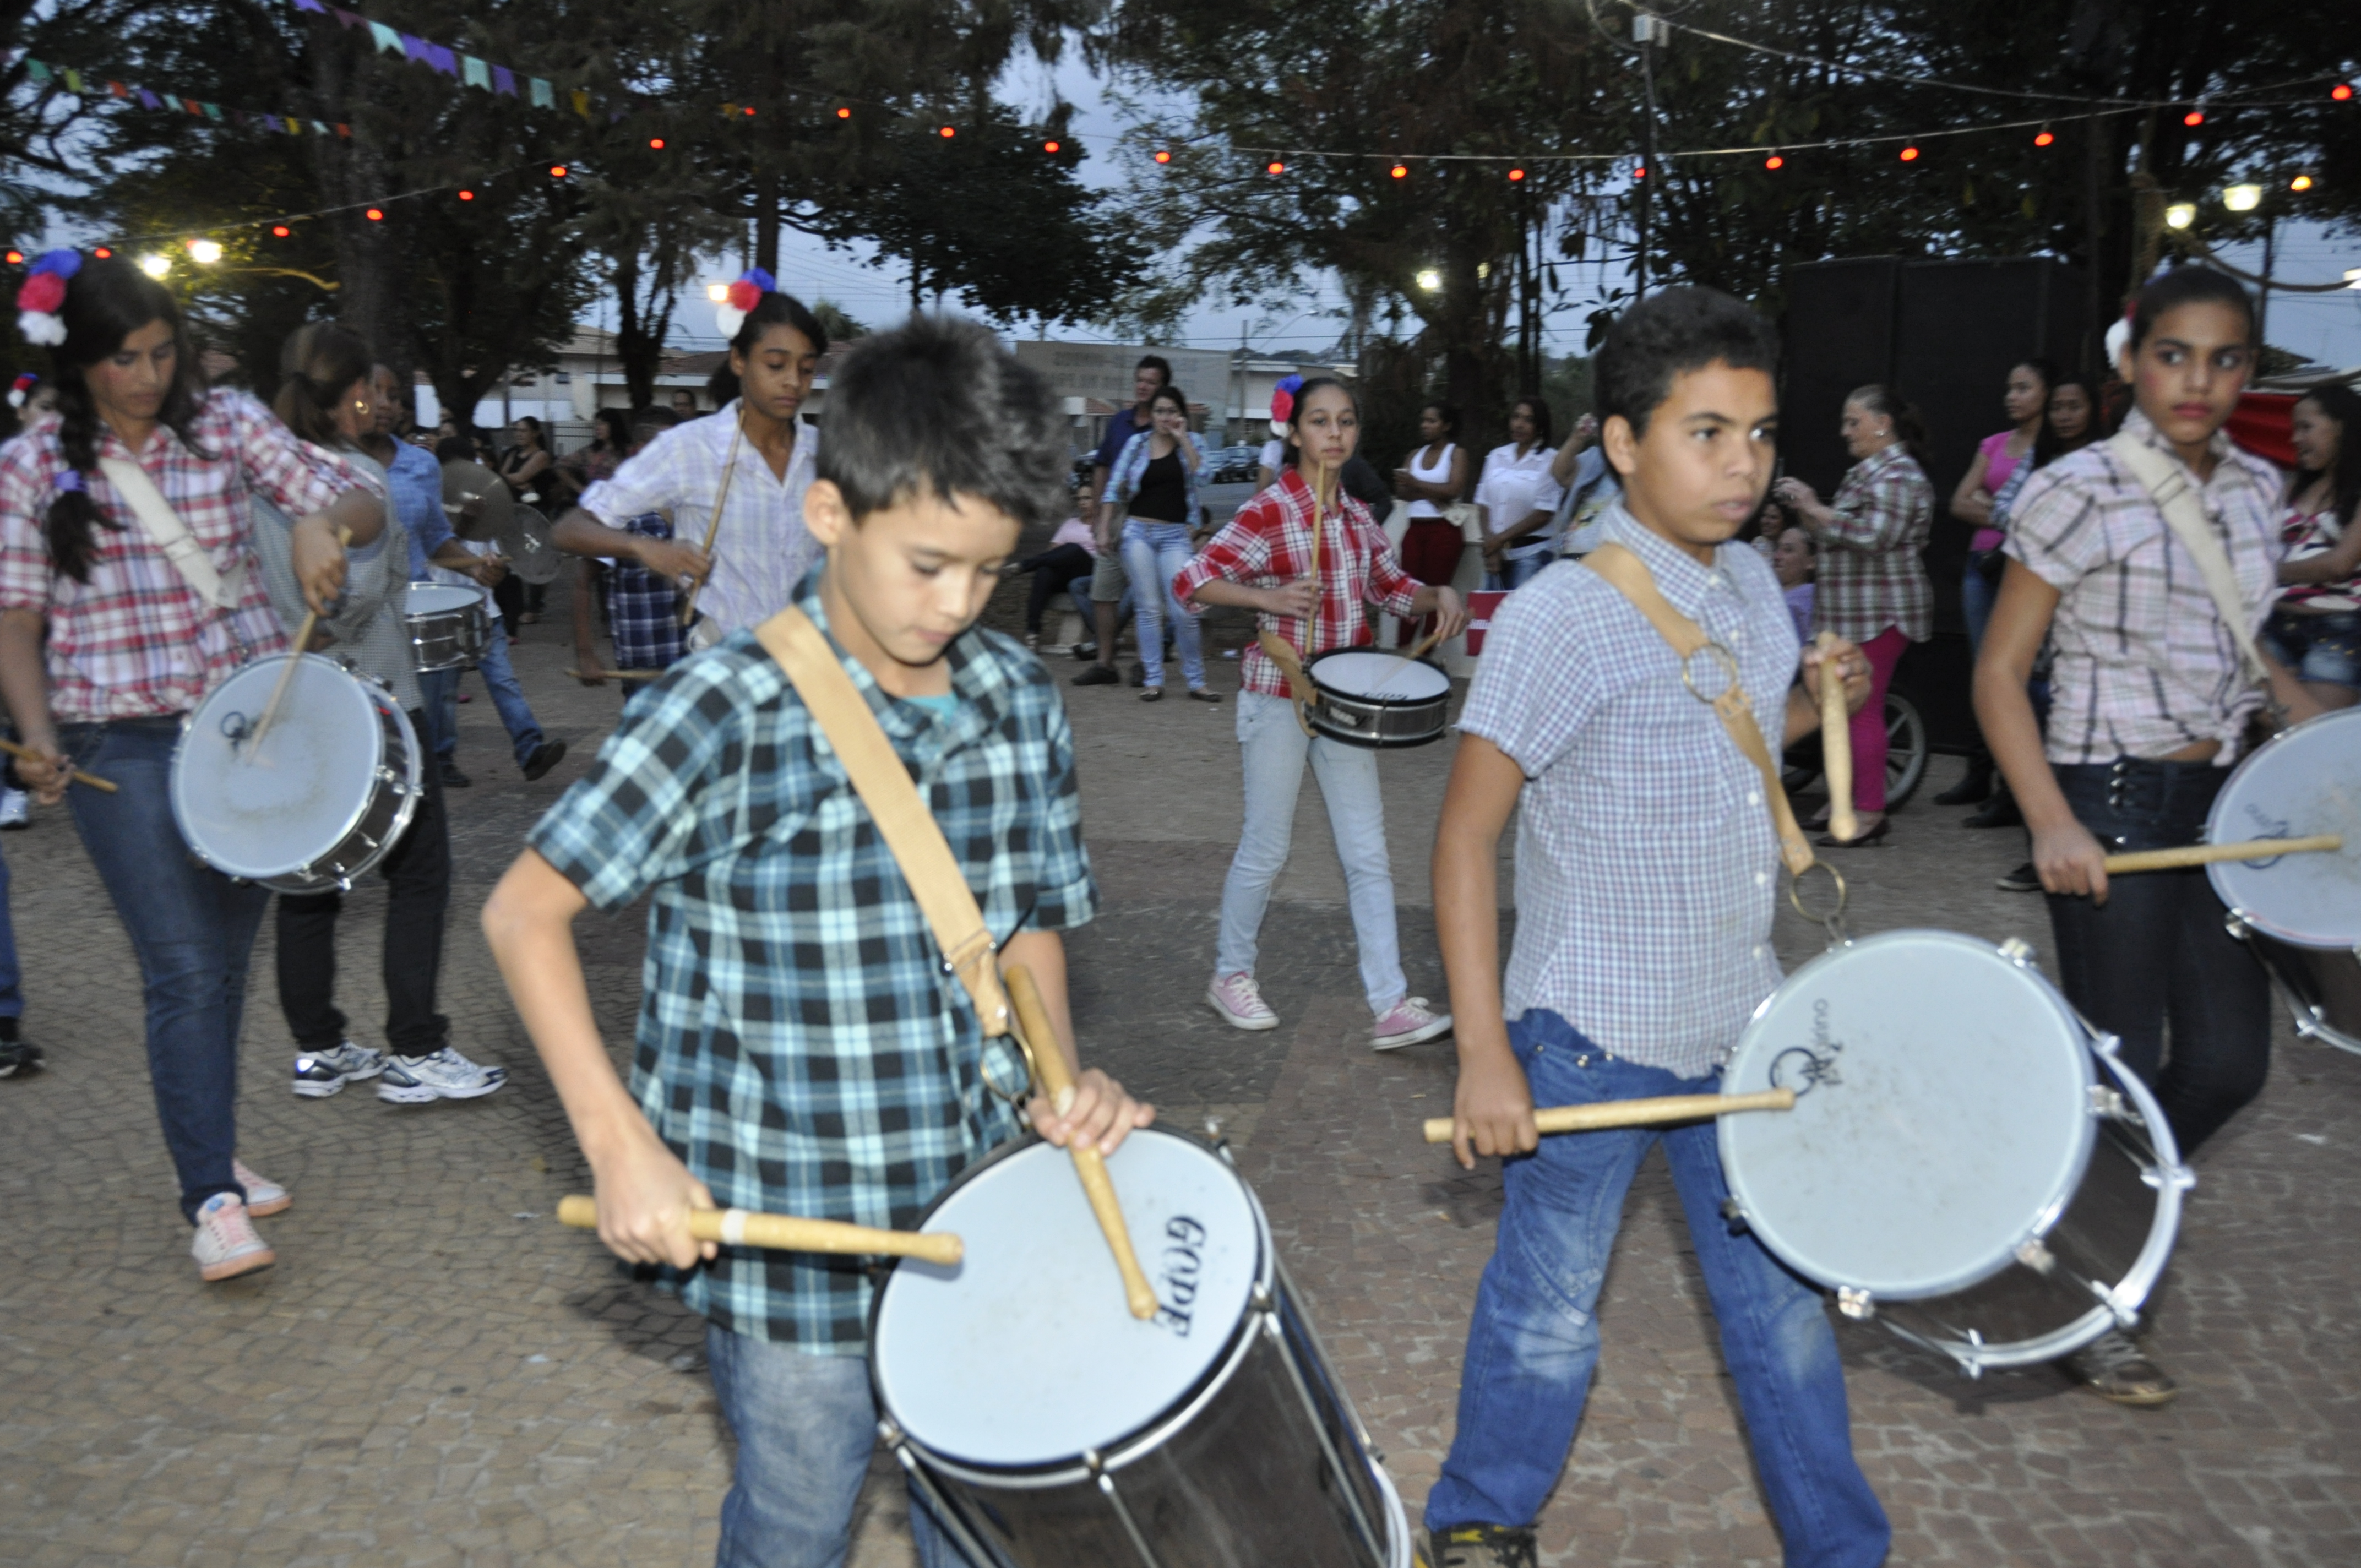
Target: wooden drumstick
(617, 674)
(1836, 744)
(1057, 1083)
(785, 1233)
(28, 754)
(294, 657)
(1637, 1113)
(2207, 854)
(713, 528)
(1423, 644)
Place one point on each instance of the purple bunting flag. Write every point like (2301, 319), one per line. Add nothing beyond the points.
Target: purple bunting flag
(504, 80)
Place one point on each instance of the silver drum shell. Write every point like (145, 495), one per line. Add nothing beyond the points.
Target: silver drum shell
(1378, 723)
(452, 638)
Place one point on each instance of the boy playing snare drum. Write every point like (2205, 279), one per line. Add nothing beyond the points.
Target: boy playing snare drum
(801, 1049)
(1646, 865)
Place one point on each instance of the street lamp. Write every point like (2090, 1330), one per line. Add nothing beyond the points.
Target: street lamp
(1429, 279)
(717, 293)
(2243, 198)
(2180, 214)
(155, 264)
(204, 252)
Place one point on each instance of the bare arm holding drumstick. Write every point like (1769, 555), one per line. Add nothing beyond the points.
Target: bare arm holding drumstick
(1493, 1106)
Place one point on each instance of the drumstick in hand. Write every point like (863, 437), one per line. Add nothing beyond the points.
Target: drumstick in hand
(1836, 743)
(294, 657)
(2207, 854)
(785, 1233)
(1654, 1113)
(1057, 1083)
(28, 754)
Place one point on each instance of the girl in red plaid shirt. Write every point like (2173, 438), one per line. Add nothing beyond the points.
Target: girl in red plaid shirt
(105, 646)
(1263, 561)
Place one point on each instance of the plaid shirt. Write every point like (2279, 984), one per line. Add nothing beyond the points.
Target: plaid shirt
(1646, 863)
(1871, 576)
(643, 610)
(137, 641)
(763, 549)
(800, 1046)
(1268, 545)
(2145, 665)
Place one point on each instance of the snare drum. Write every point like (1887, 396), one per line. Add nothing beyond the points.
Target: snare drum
(1966, 1162)
(1364, 698)
(333, 784)
(448, 626)
(1213, 1435)
(2300, 913)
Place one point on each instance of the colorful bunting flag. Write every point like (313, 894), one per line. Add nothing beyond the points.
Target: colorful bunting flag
(36, 70)
(542, 98)
(504, 80)
(475, 73)
(73, 81)
(581, 102)
(387, 41)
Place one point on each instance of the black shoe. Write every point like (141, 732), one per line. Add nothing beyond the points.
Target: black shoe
(1975, 787)
(1482, 1546)
(452, 777)
(2114, 1368)
(1138, 674)
(1098, 675)
(545, 756)
(18, 1055)
(1085, 649)
(2025, 879)
(2000, 811)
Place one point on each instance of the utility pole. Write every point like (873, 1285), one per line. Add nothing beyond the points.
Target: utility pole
(2263, 289)
(1647, 28)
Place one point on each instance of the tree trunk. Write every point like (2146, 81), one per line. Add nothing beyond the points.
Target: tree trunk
(767, 217)
(349, 172)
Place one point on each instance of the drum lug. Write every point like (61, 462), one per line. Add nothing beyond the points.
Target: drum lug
(2108, 1102)
(2182, 1177)
(2018, 951)
(1259, 1298)
(1971, 1364)
(1733, 1214)
(2126, 1317)
(2035, 1254)
(1855, 1304)
(1122, 1513)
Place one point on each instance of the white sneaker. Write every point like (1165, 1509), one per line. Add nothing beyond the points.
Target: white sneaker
(264, 1197)
(1409, 1022)
(1239, 1001)
(319, 1074)
(445, 1075)
(16, 807)
(226, 1245)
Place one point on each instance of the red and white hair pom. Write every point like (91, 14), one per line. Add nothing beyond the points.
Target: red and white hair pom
(742, 297)
(21, 388)
(42, 293)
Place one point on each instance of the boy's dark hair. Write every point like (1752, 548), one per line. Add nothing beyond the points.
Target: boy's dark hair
(936, 407)
(1158, 363)
(2188, 286)
(454, 449)
(1667, 335)
(774, 308)
(650, 422)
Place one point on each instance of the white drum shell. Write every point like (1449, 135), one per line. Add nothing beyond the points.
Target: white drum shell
(327, 795)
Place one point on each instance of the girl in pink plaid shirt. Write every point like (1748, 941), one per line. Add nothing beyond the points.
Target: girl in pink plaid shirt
(105, 646)
(1262, 561)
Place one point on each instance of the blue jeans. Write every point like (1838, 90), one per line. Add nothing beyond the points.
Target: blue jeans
(193, 929)
(2324, 647)
(1977, 597)
(1534, 1341)
(1153, 554)
(1516, 571)
(1275, 750)
(806, 1426)
(438, 697)
(508, 697)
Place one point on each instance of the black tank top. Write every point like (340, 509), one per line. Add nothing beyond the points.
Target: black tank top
(1163, 493)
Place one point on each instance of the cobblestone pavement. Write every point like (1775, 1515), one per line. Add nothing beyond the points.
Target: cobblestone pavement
(436, 1374)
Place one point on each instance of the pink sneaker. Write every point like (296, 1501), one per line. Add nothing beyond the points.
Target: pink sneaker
(264, 1197)
(1239, 1001)
(226, 1245)
(1409, 1022)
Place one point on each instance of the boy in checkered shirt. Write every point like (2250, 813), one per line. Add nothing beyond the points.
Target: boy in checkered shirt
(801, 1049)
(1646, 867)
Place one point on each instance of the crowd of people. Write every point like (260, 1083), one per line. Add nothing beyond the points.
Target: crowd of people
(811, 1042)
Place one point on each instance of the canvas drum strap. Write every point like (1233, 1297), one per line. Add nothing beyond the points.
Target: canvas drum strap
(1630, 577)
(2168, 485)
(171, 536)
(884, 784)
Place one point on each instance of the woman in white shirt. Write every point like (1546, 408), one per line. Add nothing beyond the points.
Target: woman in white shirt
(1433, 476)
(1516, 502)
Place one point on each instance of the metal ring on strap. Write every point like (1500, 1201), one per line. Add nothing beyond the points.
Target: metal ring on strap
(1722, 656)
(1833, 920)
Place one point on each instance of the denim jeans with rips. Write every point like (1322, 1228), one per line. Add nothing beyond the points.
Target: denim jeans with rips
(1534, 1341)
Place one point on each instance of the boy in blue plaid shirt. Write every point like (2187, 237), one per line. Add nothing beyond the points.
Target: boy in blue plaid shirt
(800, 1048)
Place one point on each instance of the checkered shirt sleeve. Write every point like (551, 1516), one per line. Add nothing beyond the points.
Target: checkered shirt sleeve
(642, 608)
(1269, 543)
(1646, 863)
(2145, 665)
(1871, 576)
(799, 1045)
(136, 642)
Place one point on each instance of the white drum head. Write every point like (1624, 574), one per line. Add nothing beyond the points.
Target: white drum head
(2305, 780)
(300, 793)
(1942, 1116)
(1025, 1354)
(438, 598)
(1388, 677)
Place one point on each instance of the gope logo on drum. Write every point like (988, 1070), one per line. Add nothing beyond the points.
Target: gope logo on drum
(1178, 1265)
(1804, 1068)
